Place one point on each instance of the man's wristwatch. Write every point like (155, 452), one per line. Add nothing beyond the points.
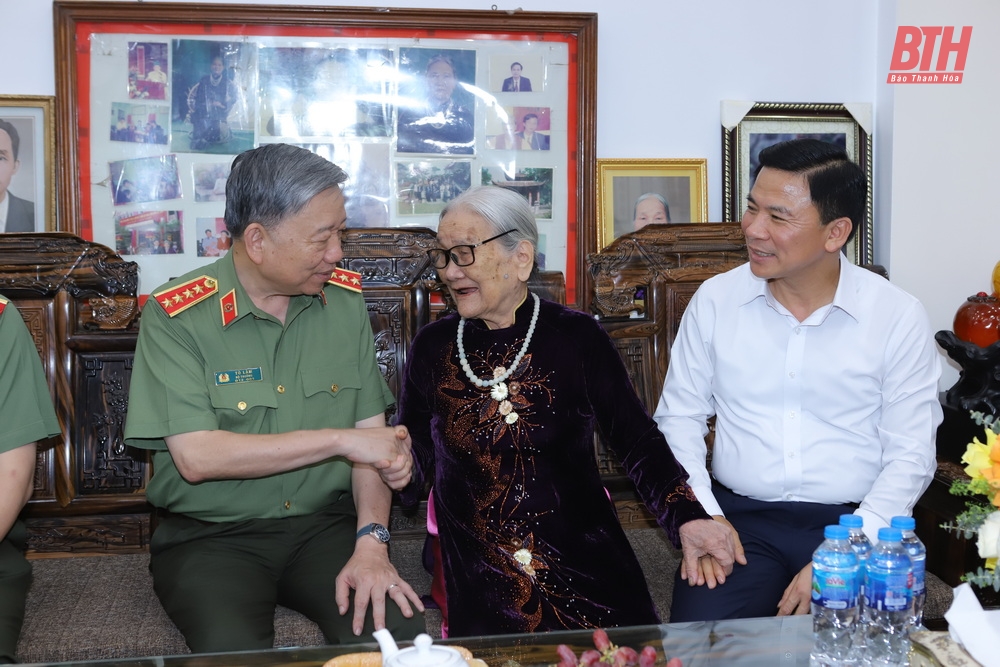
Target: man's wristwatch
(376, 530)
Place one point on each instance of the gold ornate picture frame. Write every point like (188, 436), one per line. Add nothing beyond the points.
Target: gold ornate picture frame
(33, 186)
(748, 127)
(634, 192)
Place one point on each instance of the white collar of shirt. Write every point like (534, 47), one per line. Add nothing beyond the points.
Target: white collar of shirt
(845, 298)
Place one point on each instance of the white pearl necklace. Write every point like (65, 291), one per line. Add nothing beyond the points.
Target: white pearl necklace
(506, 374)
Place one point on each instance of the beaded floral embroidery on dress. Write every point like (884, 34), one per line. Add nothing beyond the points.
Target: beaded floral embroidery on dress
(494, 427)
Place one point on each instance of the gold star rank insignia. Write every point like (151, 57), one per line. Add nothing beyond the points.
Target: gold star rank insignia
(347, 279)
(180, 298)
(3, 303)
(228, 305)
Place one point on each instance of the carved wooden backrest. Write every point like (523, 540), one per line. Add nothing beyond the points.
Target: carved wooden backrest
(643, 283)
(396, 275)
(79, 302)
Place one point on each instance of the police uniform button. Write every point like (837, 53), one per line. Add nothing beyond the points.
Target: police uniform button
(288, 504)
(281, 389)
(335, 388)
(242, 405)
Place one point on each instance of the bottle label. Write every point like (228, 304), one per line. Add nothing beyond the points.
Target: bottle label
(918, 582)
(889, 591)
(835, 590)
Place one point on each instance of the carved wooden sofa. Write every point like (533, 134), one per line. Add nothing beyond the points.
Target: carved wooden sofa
(80, 303)
(79, 300)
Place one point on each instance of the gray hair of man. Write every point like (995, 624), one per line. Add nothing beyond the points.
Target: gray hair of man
(273, 182)
(502, 209)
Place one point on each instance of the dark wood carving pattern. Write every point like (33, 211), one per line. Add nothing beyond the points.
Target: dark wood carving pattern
(108, 466)
(79, 300)
(95, 534)
(643, 283)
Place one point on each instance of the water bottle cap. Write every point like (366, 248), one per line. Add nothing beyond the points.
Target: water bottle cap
(851, 520)
(890, 535)
(836, 532)
(903, 522)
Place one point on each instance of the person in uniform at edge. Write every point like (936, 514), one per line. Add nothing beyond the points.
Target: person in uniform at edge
(502, 399)
(822, 377)
(256, 386)
(27, 417)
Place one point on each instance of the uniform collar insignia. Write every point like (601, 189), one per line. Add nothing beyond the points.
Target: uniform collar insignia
(228, 305)
(181, 297)
(347, 279)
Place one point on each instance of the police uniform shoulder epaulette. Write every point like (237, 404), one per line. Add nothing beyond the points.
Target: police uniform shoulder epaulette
(181, 297)
(347, 279)
(3, 304)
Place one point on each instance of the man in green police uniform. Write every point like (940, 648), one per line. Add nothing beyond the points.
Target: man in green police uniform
(256, 386)
(27, 416)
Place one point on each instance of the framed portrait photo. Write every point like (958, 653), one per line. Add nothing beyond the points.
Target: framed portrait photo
(634, 193)
(27, 175)
(749, 127)
(155, 99)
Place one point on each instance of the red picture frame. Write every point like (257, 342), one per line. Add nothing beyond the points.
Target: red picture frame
(87, 33)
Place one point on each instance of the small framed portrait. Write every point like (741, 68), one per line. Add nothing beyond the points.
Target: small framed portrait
(144, 179)
(213, 237)
(139, 123)
(750, 127)
(147, 70)
(520, 129)
(516, 73)
(326, 92)
(634, 193)
(532, 183)
(436, 106)
(27, 167)
(212, 109)
(424, 187)
(149, 232)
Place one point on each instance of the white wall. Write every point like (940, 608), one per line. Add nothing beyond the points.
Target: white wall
(664, 66)
(944, 169)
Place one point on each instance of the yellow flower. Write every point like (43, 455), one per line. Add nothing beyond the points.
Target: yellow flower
(978, 455)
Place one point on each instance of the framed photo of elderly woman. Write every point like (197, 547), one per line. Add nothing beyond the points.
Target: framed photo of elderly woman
(634, 193)
(749, 127)
(27, 164)
(378, 92)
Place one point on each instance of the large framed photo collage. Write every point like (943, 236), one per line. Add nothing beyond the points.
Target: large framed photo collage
(155, 99)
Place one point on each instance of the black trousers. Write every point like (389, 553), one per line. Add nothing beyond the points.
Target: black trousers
(220, 582)
(15, 578)
(779, 539)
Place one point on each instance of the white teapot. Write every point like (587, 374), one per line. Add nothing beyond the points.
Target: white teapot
(422, 654)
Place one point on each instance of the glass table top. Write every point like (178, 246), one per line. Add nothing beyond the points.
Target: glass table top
(743, 642)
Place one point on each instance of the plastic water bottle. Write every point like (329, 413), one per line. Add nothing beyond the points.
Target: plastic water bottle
(835, 587)
(889, 600)
(863, 548)
(918, 558)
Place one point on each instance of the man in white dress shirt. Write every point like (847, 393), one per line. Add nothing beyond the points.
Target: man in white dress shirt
(822, 377)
